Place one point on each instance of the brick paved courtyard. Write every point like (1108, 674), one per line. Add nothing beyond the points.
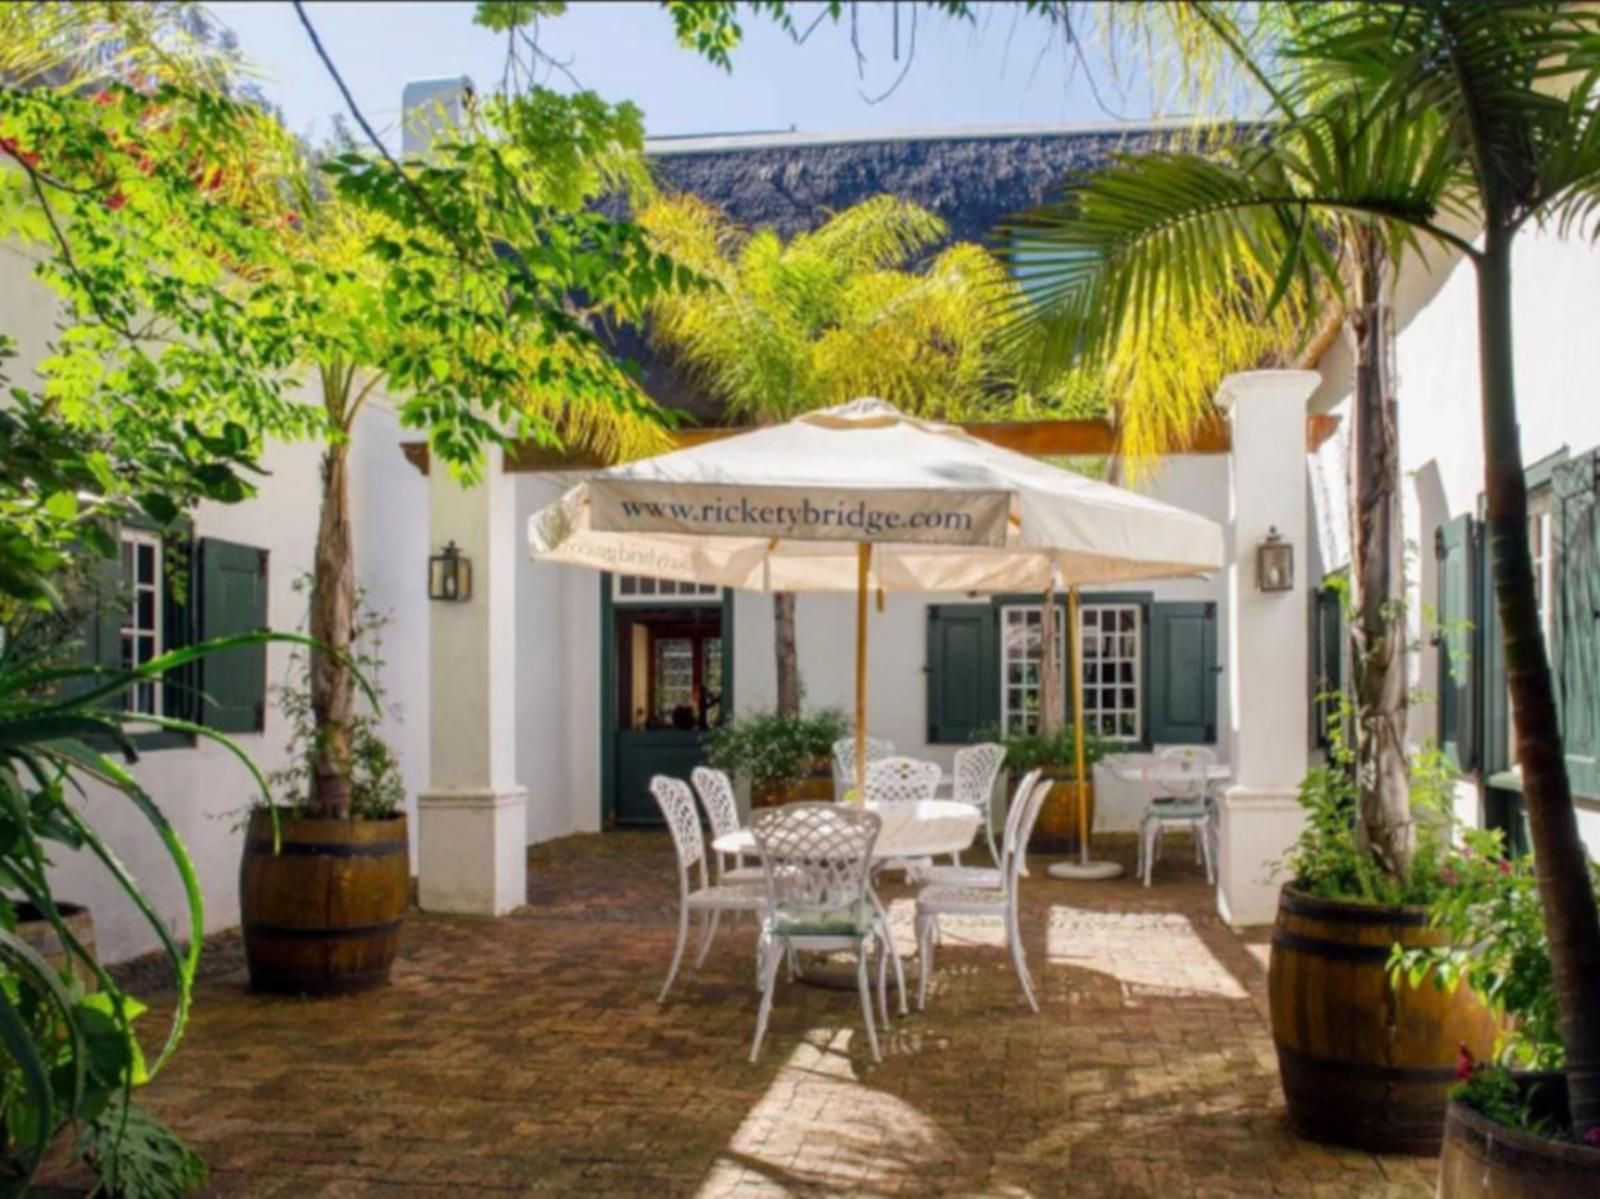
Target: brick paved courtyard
(528, 1056)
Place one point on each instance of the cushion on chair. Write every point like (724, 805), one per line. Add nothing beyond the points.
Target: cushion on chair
(962, 876)
(1178, 809)
(961, 900)
(800, 920)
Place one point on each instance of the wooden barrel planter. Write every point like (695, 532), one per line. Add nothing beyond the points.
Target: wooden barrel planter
(323, 915)
(1056, 830)
(1364, 1063)
(1484, 1160)
(40, 935)
(815, 787)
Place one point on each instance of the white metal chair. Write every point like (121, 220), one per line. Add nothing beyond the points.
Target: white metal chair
(991, 878)
(1187, 804)
(934, 902)
(901, 780)
(976, 768)
(715, 789)
(708, 899)
(844, 761)
(818, 858)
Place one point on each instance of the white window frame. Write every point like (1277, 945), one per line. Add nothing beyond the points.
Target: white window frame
(1013, 720)
(1126, 641)
(697, 594)
(143, 699)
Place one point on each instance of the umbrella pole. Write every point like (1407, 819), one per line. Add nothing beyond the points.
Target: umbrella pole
(1083, 868)
(863, 562)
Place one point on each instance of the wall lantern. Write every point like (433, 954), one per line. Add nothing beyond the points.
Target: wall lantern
(450, 576)
(1275, 563)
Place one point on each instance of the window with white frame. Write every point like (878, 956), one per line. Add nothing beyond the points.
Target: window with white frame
(642, 589)
(1113, 688)
(141, 620)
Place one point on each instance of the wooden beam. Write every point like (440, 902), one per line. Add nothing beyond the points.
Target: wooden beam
(1038, 439)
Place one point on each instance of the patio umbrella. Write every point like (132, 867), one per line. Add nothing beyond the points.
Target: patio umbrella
(862, 497)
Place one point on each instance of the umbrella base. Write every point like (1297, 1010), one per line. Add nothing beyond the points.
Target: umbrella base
(1092, 871)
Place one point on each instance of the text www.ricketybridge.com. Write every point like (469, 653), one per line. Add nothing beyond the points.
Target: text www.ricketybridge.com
(859, 517)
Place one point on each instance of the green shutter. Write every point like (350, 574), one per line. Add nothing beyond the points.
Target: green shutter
(1455, 545)
(1183, 673)
(1494, 727)
(233, 600)
(963, 671)
(1576, 662)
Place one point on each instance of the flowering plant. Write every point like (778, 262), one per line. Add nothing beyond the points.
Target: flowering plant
(774, 750)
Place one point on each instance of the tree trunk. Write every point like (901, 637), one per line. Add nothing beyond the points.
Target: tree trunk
(1051, 708)
(784, 647)
(1377, 633)
(1571, 921)
(332, 617)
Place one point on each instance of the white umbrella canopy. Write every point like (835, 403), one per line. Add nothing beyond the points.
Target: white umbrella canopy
(786, 508)
(863, 496)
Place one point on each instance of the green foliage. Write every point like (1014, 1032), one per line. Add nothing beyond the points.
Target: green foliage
(71, 1056)
(774, 750)
(377, 789)
(1498, 947)
(1050, 750)
(503, 16)
(137, 1157)
(1330, 859)
(1494, 1092)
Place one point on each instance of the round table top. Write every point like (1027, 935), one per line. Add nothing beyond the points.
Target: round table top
(921, 828)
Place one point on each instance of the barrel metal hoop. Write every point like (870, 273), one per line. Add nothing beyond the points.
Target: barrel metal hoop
(1337, 951)
(324, 934)
(1367, 1070)
(309, 849)
(1350, 913)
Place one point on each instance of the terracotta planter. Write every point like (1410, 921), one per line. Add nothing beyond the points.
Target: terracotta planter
(1364, 1063)
(1056, 830)
(1485, 1160)
(40, 935)
(815, 787)
(323, 915)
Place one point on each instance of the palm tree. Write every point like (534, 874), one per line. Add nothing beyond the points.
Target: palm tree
(833, 314)
(1412, 125)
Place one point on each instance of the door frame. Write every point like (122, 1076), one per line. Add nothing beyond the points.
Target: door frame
(608, 684)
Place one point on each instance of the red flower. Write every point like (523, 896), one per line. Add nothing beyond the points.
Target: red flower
(116, 201)
(1505, 866)
(1464, 1063)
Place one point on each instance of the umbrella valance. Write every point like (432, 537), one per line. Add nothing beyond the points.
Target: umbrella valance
(786, 508)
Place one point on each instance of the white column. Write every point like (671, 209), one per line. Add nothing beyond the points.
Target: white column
(472, 821)
(1260, 815)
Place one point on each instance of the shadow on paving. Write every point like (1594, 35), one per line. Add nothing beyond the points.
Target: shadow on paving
(528, 1056)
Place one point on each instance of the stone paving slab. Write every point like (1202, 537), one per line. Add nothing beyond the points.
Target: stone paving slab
(528, 1056)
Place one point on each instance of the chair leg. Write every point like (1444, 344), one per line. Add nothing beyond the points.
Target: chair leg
(1202, 834)
(866, 999)
(883, 981)
(988, 832)
(677, 953)
(1019, 959)
(708, 933)
(888, 940)
(774, 960)
(925, 927)
(1152, 832)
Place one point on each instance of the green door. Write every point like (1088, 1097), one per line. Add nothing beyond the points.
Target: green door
(667, 682)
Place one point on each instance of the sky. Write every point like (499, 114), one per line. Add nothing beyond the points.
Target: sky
(1004, 68)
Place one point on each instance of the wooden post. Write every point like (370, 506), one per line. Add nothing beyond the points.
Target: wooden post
(1075, 641)
(863, 563)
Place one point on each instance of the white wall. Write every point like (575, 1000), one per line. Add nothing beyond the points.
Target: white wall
(204, 792)
(1556, 287)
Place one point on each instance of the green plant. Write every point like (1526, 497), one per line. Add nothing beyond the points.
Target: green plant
(1331, 860)
(1049, 749)
(133, 1155)
(377, 789)
(774, 750)
(71, 1057)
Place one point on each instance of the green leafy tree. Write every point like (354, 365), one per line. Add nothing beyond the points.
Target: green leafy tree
(1426, 125)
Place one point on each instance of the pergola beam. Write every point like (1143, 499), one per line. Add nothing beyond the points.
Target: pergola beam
(1039, 439)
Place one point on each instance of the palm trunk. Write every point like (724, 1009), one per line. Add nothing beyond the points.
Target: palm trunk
(1571, 921)
(787, 659)
(1051, 708)
(1377, 632)
(332, 618)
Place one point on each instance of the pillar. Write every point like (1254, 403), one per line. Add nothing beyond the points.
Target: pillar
(472, 821)
(1259, 812)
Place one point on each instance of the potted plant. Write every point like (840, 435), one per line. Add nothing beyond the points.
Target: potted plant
(1055, 751)
(784, 758)
(1366, 1061)
(1508, 1130)
(323, 897)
